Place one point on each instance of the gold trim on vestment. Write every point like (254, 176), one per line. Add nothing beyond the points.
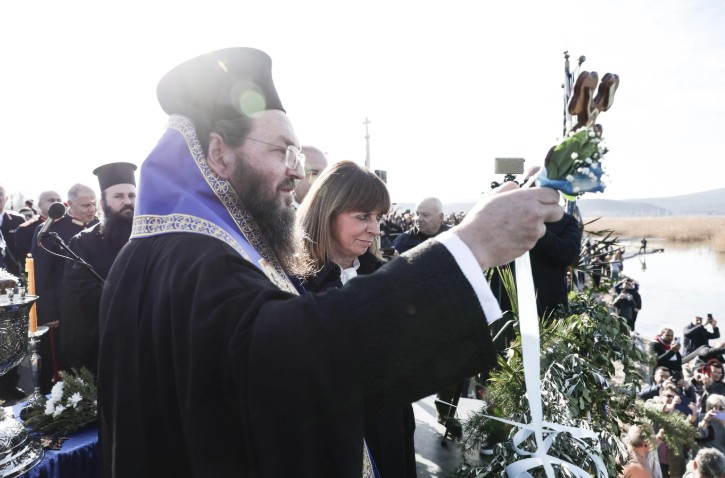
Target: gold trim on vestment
(229, 199)
(149, 225)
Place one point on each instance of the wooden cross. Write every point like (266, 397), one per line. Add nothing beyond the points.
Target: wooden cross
(584, 104)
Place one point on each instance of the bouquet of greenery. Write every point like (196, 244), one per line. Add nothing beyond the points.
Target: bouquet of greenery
(574, 166)
(72, 405)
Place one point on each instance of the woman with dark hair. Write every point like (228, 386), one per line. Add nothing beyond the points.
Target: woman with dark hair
(339, 220)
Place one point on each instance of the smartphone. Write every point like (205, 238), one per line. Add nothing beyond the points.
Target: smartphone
(388, 251)
(676, 341)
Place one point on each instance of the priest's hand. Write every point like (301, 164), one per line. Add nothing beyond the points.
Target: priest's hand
(507, 222)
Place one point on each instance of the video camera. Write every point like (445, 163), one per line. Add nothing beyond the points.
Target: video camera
(509, 167)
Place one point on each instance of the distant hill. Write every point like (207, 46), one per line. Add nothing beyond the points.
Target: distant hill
(706, 203)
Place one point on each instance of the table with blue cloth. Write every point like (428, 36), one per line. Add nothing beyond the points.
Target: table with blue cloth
(77, 458)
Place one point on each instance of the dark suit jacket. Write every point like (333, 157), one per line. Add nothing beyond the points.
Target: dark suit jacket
(11, 221)
(550, 258)
(24, 236)
(49, 268)
(81, 298)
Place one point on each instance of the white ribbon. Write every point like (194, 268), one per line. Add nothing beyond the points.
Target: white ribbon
(531, 349)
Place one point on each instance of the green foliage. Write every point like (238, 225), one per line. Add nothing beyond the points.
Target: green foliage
(678, 430)
(579, 349)
(72, 405)
(571, 154)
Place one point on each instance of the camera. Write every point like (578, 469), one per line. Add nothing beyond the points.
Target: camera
(509, 167)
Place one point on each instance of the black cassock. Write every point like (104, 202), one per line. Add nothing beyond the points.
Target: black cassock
(49, 268)
(208, 369)
(82, 298)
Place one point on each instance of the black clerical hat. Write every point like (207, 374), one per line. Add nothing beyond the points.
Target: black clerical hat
(115, 173)
(220, 85)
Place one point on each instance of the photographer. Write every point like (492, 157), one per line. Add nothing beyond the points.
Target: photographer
(713, 384)
(696, 335)
(666, 349)
(660, 377)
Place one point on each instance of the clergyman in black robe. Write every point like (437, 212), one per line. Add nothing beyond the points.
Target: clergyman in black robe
(98, 247)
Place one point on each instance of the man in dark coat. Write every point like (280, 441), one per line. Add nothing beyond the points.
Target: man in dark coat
(98, 246)
(9, 222)
(428, 223)
(25, 233)
(696, 335)
(210, 363)
(667, 352)
(49, 273)
(550, 259)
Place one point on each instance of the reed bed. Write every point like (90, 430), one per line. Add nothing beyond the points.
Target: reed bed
(709, 230)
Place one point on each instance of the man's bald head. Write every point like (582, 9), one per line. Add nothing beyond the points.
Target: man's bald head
(315, 163)
(46, 199)
(429, 216)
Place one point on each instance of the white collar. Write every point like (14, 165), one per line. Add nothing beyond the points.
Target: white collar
(350, 272)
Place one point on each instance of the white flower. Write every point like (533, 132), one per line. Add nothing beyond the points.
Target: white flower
(577, 189)
(58, 410)
(49, 407)
(584, 170)
(569, 177)
(574, 155)
(588, 160)
(591, 133)
(74, 399)
(81, 381)
(57, 392)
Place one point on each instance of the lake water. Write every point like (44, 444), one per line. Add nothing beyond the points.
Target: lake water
(676, 285)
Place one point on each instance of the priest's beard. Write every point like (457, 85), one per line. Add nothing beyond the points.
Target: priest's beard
(117, 226)
(275, 221)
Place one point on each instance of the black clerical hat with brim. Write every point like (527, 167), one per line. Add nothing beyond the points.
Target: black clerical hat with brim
(115, 173)
(220, 85)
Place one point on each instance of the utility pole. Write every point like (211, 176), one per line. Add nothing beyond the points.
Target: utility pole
(367, 143)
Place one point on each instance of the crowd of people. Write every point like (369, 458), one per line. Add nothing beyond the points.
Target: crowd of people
(70, 291)
(691, 386)
(255, 278)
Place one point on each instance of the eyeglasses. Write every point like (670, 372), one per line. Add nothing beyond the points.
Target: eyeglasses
(293, 156)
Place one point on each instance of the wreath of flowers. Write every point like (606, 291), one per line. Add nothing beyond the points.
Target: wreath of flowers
(71, 406)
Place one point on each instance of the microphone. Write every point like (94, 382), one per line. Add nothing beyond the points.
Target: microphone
(55, 212)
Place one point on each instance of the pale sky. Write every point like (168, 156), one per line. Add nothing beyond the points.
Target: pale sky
(448, 86)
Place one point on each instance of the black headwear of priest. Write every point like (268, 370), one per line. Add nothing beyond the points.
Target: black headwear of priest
(115, 173)
(219, 87)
